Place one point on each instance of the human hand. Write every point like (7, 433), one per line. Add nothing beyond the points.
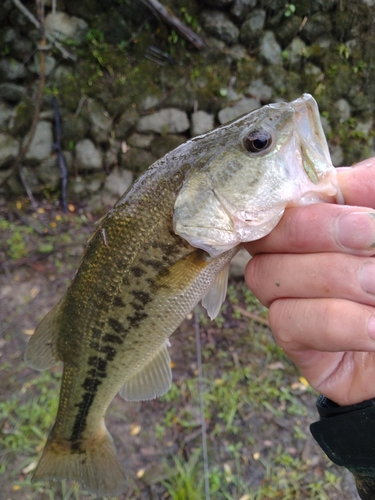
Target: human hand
(316, 274)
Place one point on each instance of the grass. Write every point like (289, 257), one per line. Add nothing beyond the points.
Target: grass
(232, 400)
(26, 418)
(257, 412)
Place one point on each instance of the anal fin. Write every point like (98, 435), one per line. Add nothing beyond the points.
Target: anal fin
(152, 380)
(41, 351)
(216, 294)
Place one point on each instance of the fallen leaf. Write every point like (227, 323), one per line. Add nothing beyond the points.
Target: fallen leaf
(298, 386)
(276, 366)
(140, 473)
(28, 331)
(29, 467)
(135, 429)
(227, 469)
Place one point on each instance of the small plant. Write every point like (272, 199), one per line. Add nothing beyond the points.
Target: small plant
(16, 243)
(359, 67)
(188, 18)
(186, 482)
(52, 90)
(173, 37)
(344, 51)
(290, 9)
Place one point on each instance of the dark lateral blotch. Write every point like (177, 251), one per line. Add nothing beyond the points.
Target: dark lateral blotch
(91, 384)
(114, 339)
(116, 325)
(118, 302)
(141, 296)
(109, 351)
(137, 271)
(136, 318)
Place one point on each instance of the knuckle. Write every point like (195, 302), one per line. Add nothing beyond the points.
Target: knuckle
(252, 273)
(255, 277)
(298, 229)
(283, 314)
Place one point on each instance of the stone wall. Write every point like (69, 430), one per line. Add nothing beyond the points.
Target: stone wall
(129, 89)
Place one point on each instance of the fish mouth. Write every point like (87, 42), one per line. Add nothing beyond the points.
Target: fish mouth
(314, 148)
(315, 156)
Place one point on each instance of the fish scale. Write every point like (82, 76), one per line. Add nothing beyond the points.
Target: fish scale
(115, 322)
(166, 245)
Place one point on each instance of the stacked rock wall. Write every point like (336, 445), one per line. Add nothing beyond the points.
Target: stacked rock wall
(130, 89)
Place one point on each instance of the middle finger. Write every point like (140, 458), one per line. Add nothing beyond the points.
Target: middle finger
(324, 275)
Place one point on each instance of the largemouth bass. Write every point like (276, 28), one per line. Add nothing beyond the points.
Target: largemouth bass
(165, 245)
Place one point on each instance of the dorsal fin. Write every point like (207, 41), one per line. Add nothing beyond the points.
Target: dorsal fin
(154, 379)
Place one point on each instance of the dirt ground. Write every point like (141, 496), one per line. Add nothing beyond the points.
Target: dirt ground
(257, 409)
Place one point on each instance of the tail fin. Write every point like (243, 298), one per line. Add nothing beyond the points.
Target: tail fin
(95, 465)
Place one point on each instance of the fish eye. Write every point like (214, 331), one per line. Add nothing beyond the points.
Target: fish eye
(257, 141)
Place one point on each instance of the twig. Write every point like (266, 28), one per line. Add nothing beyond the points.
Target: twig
(80, 104)
(250, 315)
(201, 398)
(49, 37)
(31, 222)
(60, 156)
(302, 25)
(28, 190)
(158, 56)
(160, 11)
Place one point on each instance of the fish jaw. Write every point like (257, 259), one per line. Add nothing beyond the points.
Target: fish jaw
(239, 197)
(315, 157)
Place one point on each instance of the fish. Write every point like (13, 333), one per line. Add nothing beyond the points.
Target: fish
(166, 245)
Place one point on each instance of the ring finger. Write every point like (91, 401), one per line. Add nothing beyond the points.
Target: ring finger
(333, 343)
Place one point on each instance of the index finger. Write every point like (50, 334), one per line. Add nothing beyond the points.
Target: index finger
(358, 183)
(329, 228)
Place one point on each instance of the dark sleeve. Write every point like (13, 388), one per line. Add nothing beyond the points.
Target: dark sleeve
(347, 435)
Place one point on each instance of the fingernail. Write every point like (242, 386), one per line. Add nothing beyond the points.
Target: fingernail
(356, 230)
(371, 327)
(367, 277)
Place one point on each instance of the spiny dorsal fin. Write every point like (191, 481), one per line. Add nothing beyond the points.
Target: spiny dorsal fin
(153, 380)
(216, 294)
(41, 352)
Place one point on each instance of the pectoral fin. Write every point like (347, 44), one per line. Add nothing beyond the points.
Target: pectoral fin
(216, 294)
(41, 352)
(152, 380)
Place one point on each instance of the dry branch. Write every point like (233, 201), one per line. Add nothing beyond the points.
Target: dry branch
(49, 37)
(252, 316)
(60, 155)
(160, 11)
